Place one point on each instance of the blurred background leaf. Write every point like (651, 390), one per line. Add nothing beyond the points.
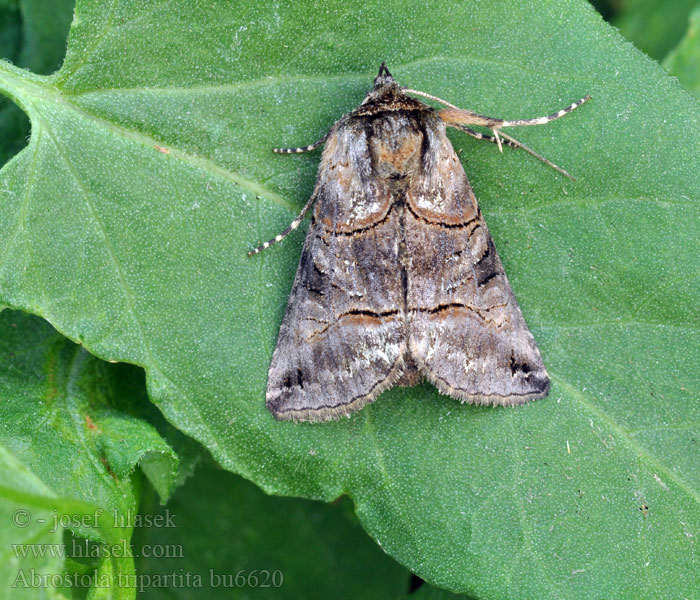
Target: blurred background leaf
(278, 547)
(684, 60)
(654, 26)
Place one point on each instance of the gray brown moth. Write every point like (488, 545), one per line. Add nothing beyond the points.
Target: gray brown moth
(399, 279)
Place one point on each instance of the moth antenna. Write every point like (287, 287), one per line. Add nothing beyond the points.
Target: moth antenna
(430, 97)
(542, 120)
(296, 222)
(301, 149)
(462, 116)
(280, 236)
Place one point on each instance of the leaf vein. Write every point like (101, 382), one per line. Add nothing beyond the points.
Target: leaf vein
(640, 450)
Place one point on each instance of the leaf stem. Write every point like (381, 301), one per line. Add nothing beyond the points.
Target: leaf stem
(20, 85)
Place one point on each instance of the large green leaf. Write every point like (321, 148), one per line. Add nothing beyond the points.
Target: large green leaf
(67, 455)
(149, 175)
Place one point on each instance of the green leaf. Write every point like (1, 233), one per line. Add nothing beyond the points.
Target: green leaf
(149, 175)
(654, 27)
(32, 35)
(67, 452)
(21, 528)
(684, 60)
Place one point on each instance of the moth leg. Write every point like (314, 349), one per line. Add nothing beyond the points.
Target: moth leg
(498, 139)
(513, 143)
(536, 121)
(485, 136)
(301, 149)
(293, 225)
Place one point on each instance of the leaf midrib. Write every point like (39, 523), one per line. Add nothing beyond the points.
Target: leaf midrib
(33, 91)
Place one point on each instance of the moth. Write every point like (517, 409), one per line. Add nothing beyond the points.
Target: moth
(399, 279)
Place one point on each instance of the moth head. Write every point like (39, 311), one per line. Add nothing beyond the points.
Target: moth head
(384, 85)
(383, 78)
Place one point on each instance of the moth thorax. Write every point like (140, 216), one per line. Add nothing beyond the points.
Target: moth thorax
(395, 144)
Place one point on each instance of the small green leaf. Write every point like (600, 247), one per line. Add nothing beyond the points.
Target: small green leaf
(66, 452)
(684, 60)
(21, 529)
(126, 222)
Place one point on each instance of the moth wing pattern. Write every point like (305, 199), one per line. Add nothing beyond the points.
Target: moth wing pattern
(399, 278)
(467, 334)
(343, 336)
